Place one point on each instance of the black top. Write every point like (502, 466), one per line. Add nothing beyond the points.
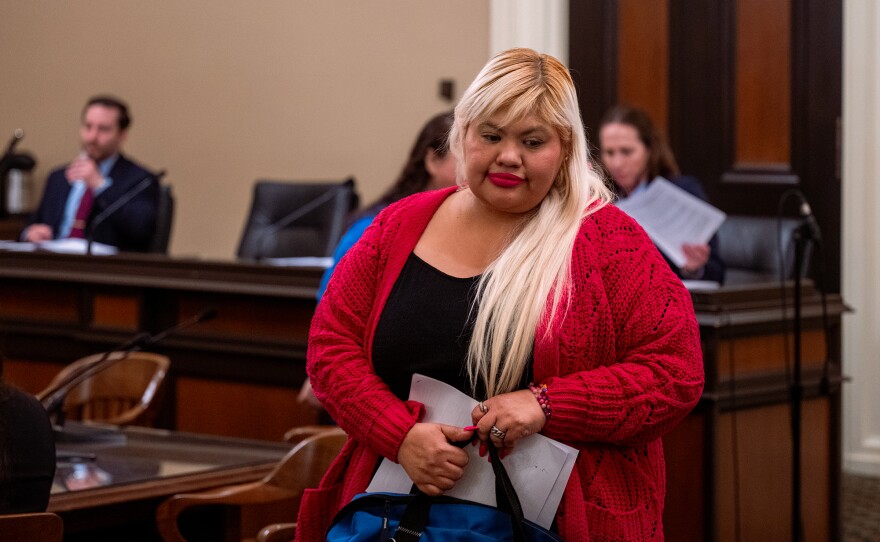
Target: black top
(27, 453)
(425, 328)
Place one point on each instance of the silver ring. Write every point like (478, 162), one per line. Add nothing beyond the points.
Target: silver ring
(498, 433)
(483, 408)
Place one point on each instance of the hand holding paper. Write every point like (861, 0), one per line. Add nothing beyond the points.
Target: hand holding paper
(673, 218)
(539, 468)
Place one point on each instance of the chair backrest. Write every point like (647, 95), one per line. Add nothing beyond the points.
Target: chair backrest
(36, 527)
(302, 432)
(164, 220)
(749, 247)
(305, 464)
(120, 394)
(301, 468)
(296, 219)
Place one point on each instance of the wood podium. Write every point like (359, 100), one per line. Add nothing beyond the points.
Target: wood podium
(728, 463)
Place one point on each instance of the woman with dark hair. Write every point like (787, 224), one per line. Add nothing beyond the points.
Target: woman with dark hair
(635, 153)
(27, 452)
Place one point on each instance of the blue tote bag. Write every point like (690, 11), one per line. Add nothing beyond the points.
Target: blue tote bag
(417, 517)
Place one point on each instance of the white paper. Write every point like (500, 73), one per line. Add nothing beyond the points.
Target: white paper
(539, 467)
(15, 246)
(77, 246)
(302, 261)
(701, 285)
(672, 217)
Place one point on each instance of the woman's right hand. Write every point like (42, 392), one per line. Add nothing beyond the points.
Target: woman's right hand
(429, 460)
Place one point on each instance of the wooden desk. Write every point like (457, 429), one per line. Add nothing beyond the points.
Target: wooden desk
(11, 225)
(248, 365)
(142, 468)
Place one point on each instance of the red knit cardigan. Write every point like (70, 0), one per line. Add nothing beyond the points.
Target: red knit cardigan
(622, 368)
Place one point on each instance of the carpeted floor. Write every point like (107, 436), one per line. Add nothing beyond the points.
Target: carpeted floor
(861, 508)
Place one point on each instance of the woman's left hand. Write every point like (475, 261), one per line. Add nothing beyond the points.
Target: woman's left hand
(696, 256)
(514, 415)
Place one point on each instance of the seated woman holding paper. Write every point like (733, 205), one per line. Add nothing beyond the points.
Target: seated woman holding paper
(523, 288)
(635, 154)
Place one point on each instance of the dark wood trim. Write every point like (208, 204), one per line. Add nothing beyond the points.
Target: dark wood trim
(817, 81)
(592, 58)
(159, 271)
(701, 91)
(745, 176)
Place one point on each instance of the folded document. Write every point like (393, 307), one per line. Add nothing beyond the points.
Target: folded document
(539, 467)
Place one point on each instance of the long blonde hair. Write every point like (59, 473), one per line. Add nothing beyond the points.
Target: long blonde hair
(513, 291)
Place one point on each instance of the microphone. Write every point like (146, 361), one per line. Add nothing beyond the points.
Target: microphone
(5, 162)
(54, 400)
(17, 135)
(296, 214)
(205, 316)
(811, 227)
(116, 205)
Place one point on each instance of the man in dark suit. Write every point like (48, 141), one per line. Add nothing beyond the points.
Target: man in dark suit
(99, 176)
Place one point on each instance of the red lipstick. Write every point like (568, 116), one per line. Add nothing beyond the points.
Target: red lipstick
(505, 180)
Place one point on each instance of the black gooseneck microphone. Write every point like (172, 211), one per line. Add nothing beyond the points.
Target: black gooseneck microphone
(5, 161)
(296, 214)
(806, 233)
(810, 226)
(116, 205)
(54, 400)
(17, 135)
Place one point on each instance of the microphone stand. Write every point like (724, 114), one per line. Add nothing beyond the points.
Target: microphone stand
(116, 205)
(802, 236)
(54, 399)
(53, 402)
(296, 214)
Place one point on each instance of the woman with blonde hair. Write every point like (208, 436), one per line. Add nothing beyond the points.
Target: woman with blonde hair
(524, 289)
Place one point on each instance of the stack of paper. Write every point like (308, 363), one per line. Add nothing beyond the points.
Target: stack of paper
(77, 246)
(61, 246)
(301, 261)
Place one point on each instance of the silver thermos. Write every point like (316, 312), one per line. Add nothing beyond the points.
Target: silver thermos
(18, 191)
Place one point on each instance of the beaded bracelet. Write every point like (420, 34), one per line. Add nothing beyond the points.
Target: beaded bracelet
(542, 397)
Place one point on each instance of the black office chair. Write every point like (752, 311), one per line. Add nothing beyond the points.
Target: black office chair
(296, 219)
(164, 220)
(748, 246)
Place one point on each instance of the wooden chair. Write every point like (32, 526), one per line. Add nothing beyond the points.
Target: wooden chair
(284, 532)
(277, 532)
(36, 527)
(302, 432)
(301, 468)
(120, 394)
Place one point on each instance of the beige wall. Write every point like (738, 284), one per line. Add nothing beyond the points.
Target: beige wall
(223, 93)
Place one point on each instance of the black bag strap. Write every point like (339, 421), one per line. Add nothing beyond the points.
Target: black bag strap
(505, 495)
(415, 516)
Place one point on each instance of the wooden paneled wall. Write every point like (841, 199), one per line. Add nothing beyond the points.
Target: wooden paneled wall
(748, 91)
